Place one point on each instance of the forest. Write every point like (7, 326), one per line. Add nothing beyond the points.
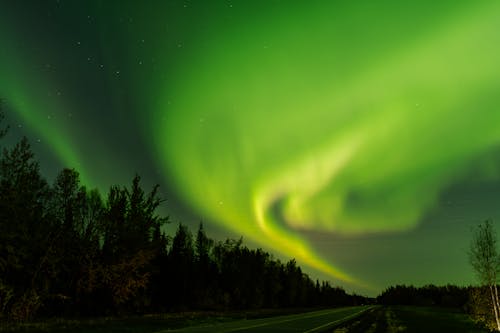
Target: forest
(68, 251)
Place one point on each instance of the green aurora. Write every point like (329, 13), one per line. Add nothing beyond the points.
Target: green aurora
(273, 120)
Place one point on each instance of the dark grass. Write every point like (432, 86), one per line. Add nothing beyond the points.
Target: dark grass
(143, 324)
(411, 319)
(433, 319)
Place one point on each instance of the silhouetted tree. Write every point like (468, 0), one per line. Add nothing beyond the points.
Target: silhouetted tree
(205, 272)
(273, 286)
(429, 295)
(227, 258)
(142, 218)
(130, 222)
(68, 217)
(485, 260)
(203, 246)
(23, 237)
(181, 261)
(65, 251)
(159, 288)
(114, 225)
(90, 258)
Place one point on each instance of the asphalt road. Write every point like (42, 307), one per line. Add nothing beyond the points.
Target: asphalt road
(317, 321)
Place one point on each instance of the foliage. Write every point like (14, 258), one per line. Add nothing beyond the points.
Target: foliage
(485, 260)
(429, 319)
(429, 295)
(480, 305)
(23, 197)
(66, 251)
(483, 254)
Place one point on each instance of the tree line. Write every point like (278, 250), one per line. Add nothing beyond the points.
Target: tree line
(473, 300)
(430, 295)
(66, 250)
(481, 302)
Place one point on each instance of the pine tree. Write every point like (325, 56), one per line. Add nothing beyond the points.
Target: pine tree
(23, 234)
(181, 261)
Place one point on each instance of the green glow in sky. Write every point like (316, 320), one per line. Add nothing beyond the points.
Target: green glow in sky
(306, 127)
(296, 122)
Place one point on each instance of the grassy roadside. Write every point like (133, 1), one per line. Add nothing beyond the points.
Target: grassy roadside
(411, 319)
(424, 319)
(145, 323)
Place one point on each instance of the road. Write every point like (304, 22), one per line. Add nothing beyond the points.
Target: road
(310, 322)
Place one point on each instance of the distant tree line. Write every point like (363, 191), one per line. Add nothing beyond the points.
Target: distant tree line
(481, 302)
(429, 295)
(67, 251)
(473, 300)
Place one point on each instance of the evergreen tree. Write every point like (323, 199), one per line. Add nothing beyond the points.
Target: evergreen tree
(205, 271)
(130, 223)
(142, 219)
(63, 251)
(90, 258)
(181, 262)
(23, 236)
(114, 225)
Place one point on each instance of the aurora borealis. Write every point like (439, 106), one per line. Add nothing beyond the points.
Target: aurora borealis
(360, 138)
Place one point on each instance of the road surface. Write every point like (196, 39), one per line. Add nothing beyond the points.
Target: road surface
(310, 322)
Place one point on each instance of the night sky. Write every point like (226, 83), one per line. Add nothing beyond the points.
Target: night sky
(359, 137)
